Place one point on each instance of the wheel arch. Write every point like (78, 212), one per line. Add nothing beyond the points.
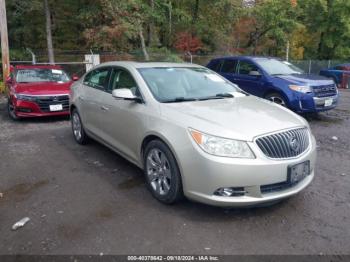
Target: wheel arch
(281, 93)
(71, 108)
(156, 136)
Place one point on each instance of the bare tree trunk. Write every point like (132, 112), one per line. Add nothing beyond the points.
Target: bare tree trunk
(195, 12)
(143, 45)
(49, 33)
(170, 21)
(151, 37)
(195, 15)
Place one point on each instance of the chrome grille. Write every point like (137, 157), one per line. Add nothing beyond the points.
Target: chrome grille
(286, 144)
(325, 91)
(44, 102)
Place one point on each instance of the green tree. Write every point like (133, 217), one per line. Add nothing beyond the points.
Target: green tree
(328, 22)
(273, 20)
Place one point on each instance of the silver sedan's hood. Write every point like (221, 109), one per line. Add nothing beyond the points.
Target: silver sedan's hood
(241, 118)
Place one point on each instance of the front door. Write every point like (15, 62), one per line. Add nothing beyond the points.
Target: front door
(249, 77)
(121, 119)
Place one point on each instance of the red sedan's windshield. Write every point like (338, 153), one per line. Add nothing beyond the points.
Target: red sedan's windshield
(41, 75)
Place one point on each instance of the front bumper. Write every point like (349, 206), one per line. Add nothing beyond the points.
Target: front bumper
(307, 103)
(25, 109)
(203, 174)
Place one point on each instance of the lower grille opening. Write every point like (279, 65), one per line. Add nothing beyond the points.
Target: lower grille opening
(24, 110)
(277, 187)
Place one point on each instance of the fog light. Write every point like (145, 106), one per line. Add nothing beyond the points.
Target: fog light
(230, 191)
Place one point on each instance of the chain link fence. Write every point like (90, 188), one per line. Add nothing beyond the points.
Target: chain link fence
(315, 66)
(74, 61)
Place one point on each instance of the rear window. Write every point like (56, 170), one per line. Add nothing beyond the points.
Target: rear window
(229, 66)
(215, 65)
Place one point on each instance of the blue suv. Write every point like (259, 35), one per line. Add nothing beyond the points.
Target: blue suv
(278, 81)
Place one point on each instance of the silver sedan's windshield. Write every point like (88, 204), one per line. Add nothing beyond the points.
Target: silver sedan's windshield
(178, 84)
(277, 67)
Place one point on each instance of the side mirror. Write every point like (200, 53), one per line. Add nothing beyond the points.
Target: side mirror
(75, 78)
(255, 73)
(8, 80)
(125, 94)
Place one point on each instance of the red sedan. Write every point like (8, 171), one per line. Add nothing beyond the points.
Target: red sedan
(38, 90)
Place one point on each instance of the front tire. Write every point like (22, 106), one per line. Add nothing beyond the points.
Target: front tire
(77, 128)
(276, 98)
(162, 173)
(11, 111)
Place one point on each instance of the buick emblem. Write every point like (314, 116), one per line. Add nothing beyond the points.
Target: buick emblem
(294, 143)
(55, 98)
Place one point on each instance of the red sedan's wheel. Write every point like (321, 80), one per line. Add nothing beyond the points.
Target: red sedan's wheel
(11, 110)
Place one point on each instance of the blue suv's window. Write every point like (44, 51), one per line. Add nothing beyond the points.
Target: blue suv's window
(246, 67)
(215, 65)
(229, 66)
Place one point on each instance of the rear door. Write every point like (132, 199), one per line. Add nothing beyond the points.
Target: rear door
(94, 85)
(249, 77)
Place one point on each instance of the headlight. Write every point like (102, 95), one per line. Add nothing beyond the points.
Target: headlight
(221, 146)
(302, 89)
(25, 97)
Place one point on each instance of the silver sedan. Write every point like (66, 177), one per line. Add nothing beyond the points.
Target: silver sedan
(194, 133)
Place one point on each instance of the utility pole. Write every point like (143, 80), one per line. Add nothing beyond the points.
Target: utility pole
(287, 51)
(4, 41)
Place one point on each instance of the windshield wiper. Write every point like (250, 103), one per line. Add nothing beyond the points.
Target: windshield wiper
(217, 96)
(183, 99)
(179, 99)
(278, 74)
(225, 95)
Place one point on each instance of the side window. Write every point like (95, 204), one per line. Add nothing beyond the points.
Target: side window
(229, 66)
(123, 79)
(87, 78)
(246, 67)
(215, 65)
(97, 78)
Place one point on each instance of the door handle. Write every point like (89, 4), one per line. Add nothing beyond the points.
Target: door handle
(103, 108)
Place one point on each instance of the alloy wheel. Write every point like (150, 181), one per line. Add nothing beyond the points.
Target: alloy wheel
(77, 128)
(277, 100)
(158, 171)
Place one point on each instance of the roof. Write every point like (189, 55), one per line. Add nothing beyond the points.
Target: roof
(345, 64)
(37, 67)
(246, 57)
(148, 64)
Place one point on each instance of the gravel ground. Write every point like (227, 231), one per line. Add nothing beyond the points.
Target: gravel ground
(88, 200)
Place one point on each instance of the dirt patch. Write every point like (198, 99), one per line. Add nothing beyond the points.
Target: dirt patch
(104, 213)
(132, 182)
(20, 191)
(69, 232)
